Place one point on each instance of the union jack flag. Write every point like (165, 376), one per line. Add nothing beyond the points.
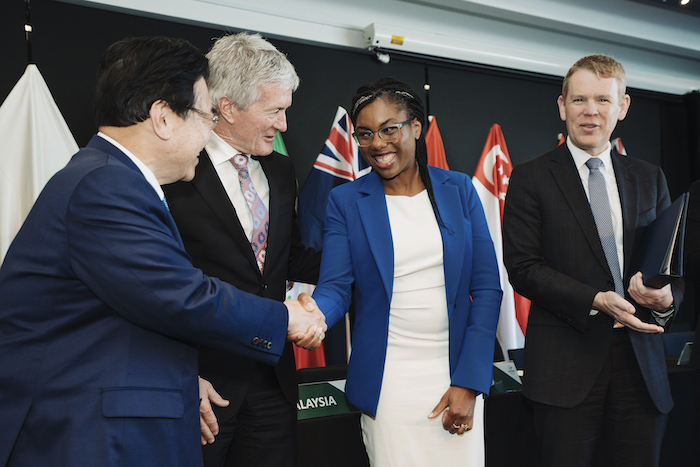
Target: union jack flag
(618, 147)
(339, 162)
(340, 155)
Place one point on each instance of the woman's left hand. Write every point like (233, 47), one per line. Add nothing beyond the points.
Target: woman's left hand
(459, 416)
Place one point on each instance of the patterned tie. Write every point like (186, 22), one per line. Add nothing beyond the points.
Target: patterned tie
(600, 205)
(261, 218)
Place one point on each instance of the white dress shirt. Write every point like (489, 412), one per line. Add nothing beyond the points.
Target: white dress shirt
(606, 169)
(220, 153)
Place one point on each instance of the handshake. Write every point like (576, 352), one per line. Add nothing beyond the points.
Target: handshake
(307, 325)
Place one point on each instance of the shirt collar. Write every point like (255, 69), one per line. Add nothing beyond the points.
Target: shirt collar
(580, 156)
(220, 151)
(148, 175)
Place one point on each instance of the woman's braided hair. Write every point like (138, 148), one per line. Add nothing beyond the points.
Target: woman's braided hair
(400, 94)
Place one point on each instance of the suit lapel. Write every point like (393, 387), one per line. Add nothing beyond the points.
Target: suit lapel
(567, 177)
(274, 205)
(209, 186)
(453, 234)
(375, 220)
(629, 199)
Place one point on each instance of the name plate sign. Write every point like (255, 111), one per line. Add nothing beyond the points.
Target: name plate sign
(322, 400)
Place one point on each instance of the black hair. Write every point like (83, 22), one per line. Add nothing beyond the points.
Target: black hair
(400, 94)
(136, 72)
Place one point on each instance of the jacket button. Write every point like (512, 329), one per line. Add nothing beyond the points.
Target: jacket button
(255, 341)
(264, 286)
(269, 345)
(611, 284)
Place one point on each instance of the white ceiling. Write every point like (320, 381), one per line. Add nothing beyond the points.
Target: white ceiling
(659, 48)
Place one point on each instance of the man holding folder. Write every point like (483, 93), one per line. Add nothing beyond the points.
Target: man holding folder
(573, 224)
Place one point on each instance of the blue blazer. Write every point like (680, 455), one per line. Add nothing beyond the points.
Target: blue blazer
(358, 248)
(101, 314)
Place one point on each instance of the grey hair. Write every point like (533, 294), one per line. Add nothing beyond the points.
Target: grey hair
(239, 64)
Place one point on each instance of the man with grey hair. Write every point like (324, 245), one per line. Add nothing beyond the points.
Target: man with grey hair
(238, 222)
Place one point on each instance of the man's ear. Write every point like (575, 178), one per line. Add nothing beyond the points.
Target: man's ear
(162, 119)
(624, 107)
(227, 109)
(562, 107)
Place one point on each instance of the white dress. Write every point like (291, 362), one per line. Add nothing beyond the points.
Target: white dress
(416, 372)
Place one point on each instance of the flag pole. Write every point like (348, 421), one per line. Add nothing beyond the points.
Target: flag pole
(426, 86)
(27, 33)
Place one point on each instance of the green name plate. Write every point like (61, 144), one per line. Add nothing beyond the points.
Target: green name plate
(322, 400)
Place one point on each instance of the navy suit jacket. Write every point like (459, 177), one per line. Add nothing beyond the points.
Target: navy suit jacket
(554, 257)
(101, 313)
(357, 247)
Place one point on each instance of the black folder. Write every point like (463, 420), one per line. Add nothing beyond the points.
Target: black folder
(661, 259)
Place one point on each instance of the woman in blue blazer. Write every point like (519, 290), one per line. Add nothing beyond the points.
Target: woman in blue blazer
(414, 242)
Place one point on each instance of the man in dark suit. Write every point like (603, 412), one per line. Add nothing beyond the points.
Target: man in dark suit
(594, 360)
(251, 84)
(101, 310)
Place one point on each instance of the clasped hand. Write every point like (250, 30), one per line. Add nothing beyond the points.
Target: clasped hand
(623, 311)
(307, 325)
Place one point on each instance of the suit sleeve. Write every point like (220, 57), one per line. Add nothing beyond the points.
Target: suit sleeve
(525, 217)
(474, 369)
(304, 263)
(333, 293)
(124, 245)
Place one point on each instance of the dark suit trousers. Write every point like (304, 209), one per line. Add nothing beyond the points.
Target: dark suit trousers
(263, 431)
(616, 425)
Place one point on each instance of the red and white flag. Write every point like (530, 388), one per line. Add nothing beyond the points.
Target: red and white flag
(491, 183)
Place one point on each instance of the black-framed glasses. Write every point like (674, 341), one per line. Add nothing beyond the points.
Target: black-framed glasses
(213, 118)
(389, 134)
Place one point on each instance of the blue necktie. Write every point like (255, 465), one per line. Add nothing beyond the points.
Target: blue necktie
(166, 203)
(600, 205)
